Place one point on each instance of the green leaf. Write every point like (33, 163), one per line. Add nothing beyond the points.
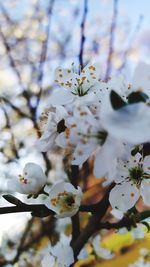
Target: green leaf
(116, 101)
(13, 200)
(147, 226)
(137, 97)
(135, 150)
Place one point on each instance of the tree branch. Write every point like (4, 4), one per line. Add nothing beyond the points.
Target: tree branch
(82, 41)
(111, 41)
(98, 210)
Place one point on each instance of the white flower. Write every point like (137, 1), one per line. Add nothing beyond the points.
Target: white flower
(126, 121)
(30, 182)
(83, 87)
(138, 232)
(54, 124)
(142, 261)
(64, 199)
(48, 260)
(86, 136)
(101, 252)
(133, 180)
(61, 255)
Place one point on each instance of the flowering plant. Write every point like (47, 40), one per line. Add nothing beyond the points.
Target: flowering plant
(105, 124)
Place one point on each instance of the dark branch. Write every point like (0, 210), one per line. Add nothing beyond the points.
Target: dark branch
(111, 40)
(82, 41)
(74, 177)
(99, 210)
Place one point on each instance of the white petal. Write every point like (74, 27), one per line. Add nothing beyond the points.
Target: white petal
(48, 260)
(138, 232)
(145, 192)
(117, 213)
(125, 122)
(105, 160)
(124, 196)
(61, 97)
(47, 141)
(101, 252)
(64, 254)
(61, 140)
(146, 164)
(63, 75)
(82, 153)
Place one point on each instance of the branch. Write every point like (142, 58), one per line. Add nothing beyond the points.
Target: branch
(39, 210)
(11, 59)
(85, 11)
(16, 109)
(126, 221)
(23, 238)
(130, 42)
(99, 210)
(75, 219)
(111, 41)
(44, 52)
(13, 141)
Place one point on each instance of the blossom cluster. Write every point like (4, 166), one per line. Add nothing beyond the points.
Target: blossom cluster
(108, 122)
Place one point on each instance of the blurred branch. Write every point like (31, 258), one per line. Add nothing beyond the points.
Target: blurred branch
(46, 229)
(44, 49)
(125, 53)
(18, 110)
(23, 238)
(11, 59)
(99, 211)
(82, 41)
(75, 219)
(111, 40)
(5, 14)
(13, 143)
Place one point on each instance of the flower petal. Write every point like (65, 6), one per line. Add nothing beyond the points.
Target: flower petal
(124, 196)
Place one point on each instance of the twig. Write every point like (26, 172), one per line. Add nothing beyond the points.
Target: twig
(44, 52)
(125, 53)
(111, 40)
(13, 143)
(11, 60)
(23, 238)
(75, 219)
(93, 224)
(15, 108)
(82, 41)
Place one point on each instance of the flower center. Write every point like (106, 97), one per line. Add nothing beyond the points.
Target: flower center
(101, 136)
(22, 179)
(136, 174)
(64, 200)
(79, 90)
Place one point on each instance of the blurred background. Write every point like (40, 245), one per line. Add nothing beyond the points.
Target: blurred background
(36, 36)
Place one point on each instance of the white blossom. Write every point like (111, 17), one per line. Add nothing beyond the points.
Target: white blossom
(60, 255)
(64, 199)
(132, 178)
(82, 86)
(53, 123)
(31, 181)
(100, 251)
(126, 121)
